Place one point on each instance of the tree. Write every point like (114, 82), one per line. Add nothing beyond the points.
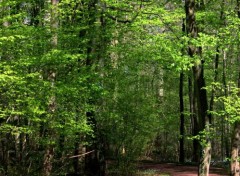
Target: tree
(84, 82)
(181, 107)
(236, 130)
(199, 86)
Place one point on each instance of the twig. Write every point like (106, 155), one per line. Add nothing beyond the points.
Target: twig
(76, 156)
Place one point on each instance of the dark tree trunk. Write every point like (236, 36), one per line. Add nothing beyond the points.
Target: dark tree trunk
(203, 120)
(91, 160)
(95, 160)
(182, 131)
(76, 153)
(226, 126)
(199, 87)
(5, 154)
(211, 104)
(215, 80)
(92, 165)
(194, 121)
(181, 107)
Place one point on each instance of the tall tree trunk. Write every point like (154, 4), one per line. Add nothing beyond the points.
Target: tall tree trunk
(181, 107)
(215, 80)
(204, 121)
(4, 140)
(211, 104)
(76, 166)
(194, 121)
(226, 128)
(201, 93)
(235, 168)
(182, 132)
(94, 161)
(235, 150)
(49, 151)
(91, 160)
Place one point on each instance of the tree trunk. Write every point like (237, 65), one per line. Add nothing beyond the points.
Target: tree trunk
(226, 128)
(94, 161)
(236, 133)
(47, 164)
(75, 153)
(204, 120)
(181, 107)
(215, 80)
(91, 160)
(211, 104)
(199, 87)
(49, 151)
(235, 150)
(194, 121)
(4, 140)
(182, 132)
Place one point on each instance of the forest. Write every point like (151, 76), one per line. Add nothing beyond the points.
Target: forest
(93, 87)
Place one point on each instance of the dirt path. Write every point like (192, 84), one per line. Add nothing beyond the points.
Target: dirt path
(180, 170)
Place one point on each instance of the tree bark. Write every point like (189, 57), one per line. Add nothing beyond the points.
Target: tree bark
(235, 150)
(235, 168)
(199, 87)
(194, 121)
(182, 131)
(215, 80)
(49, 151)
(94, 162)
(227, 125)
(181, 107)
(204, 121)
(211, 104)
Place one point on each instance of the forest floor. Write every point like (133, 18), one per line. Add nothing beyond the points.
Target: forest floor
(173, 169)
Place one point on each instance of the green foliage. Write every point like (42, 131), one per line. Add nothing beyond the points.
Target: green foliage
(231, 104)
(117, 59)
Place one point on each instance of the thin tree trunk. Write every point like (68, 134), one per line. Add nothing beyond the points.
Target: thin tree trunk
(76, 151)
(182, 132)
(226, 126)
(181, 106)
(215, 80)
(211, 104)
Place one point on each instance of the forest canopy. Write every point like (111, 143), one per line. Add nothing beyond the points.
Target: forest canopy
(90, 87)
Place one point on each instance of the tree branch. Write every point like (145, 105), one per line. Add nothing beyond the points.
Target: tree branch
(77, 156)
